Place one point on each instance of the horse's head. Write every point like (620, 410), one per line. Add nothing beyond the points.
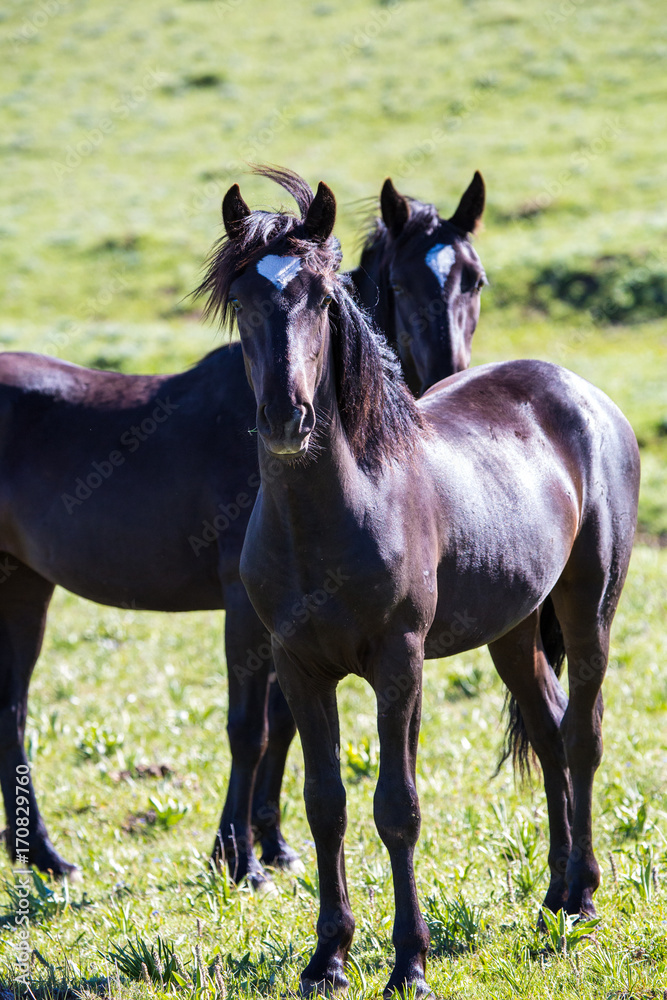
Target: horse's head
(434, 278)
(281, 295)
(311, 354)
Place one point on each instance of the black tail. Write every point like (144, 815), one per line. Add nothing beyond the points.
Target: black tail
(517, 745)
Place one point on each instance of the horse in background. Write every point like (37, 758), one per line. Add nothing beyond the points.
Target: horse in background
(420, 278)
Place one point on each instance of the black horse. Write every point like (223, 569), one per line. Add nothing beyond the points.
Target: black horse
(135, 491)
(455, 516)
(421, 278)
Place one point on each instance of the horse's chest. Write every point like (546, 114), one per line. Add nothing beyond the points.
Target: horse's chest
(328, 603)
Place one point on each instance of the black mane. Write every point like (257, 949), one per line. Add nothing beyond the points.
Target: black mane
(257, 232)
(377, 412)
(423, 219)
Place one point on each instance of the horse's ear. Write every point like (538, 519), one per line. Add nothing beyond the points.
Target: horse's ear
(395, 208)
(234, 211)
(321, 215)
(471, 206)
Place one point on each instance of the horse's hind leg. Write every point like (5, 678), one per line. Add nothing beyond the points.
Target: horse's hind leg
(585, 599)
(521, 661)
(24, 600)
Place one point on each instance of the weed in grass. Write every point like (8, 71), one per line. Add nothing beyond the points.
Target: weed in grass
(518, 975)
(522, 845)
(467, 682)
(632, 818)
(44, 903)
(168, 812)
(361, 760)
(643, 877)
(142, 961)
(94, 742)
(455, 925)
(563, 931)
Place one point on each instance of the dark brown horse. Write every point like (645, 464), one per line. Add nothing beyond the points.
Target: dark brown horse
(135, 491)
(455, 517)
(421, 277)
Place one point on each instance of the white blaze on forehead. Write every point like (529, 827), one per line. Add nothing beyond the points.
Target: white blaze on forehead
(440, 259)
(279, 270)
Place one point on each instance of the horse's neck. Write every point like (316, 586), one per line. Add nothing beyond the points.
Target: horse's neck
(372, 284)
(305, 498)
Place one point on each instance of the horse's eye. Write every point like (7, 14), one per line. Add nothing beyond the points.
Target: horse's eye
(327, 300)
(469, 280)
(236, 305)
(481, 281)
(396, 288)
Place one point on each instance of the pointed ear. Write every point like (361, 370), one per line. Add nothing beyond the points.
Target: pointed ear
(234, 211)
(321, 215)
(471, 206)
(395, 208)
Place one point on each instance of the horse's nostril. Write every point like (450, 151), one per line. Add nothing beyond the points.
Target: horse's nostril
(294, 426)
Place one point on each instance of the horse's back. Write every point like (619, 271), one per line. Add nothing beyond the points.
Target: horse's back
(512, 396)
(109, 483)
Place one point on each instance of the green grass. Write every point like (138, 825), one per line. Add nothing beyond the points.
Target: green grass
(481, 858)
(122, 127)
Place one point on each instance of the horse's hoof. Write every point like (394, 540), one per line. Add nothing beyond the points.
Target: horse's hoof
(323, 987)
(283, 857)
(265, 887)
(415, 988)
(292, 864)
(47, 859)
(409, 981)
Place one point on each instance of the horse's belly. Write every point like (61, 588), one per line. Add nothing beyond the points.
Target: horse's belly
(157, 559)
(476, 607)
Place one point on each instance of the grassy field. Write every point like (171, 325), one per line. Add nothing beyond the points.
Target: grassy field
(122, 125)
(142, 842)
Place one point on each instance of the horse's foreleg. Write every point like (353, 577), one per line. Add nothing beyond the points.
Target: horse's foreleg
(24, 600)
(521, 662)
(249, 664)
(398, 688)
(313, 706)
(266, 800)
